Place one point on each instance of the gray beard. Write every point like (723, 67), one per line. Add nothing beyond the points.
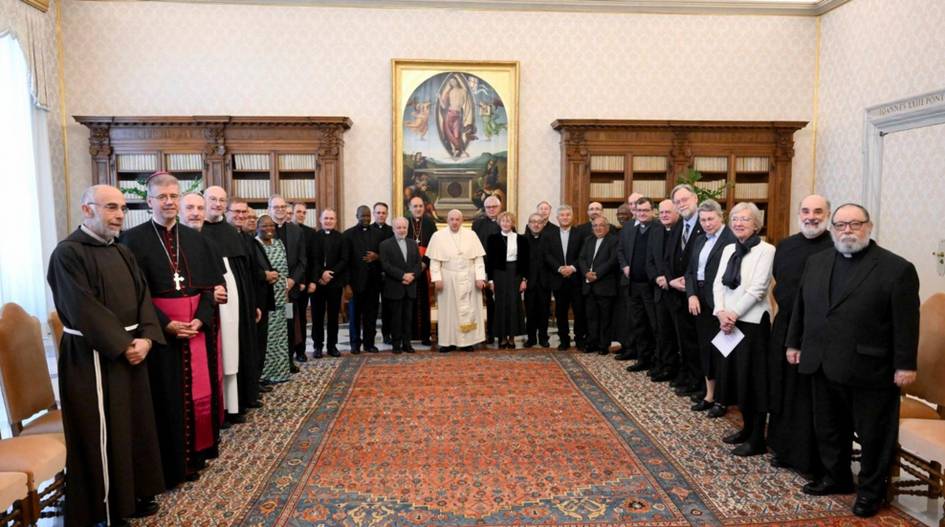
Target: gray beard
(850, 248)
(810, 232)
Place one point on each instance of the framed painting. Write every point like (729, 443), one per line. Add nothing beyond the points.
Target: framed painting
(455, 135)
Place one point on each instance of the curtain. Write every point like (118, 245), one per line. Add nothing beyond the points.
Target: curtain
(26, 171)
(30, 27)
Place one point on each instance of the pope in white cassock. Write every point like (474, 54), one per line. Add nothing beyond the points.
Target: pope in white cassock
(458, 272)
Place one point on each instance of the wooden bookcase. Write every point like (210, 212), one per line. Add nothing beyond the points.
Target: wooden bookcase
(251, 157)
(607, 160)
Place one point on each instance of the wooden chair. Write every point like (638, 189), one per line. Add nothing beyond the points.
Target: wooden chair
(39, 458)
(27, 393)
(922, 439)
(13, 493)
(56, 326)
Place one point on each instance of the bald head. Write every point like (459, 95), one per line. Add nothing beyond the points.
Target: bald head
(215, 197)
(812, 215)
(103, 210)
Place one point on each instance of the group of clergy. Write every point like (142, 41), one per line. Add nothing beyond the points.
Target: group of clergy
(223, 303)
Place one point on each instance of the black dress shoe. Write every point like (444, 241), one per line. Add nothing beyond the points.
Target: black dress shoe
(466, 348)
(356, 351)
(735, 438)
(717, 410)
(866, 507)
(397, 350)
(371, 349)
(664, 376)
(825, 487)
(490, 339)
(317, 354)
(409, 349)
(293, 368)
(426, 342)
(530, 343)
(145, 507)
(544, 343)
(624, 355)
(334, 352)
(564, 345)
(701, 406)
(265, 388)
(777, 462)
(193, 476)
(234, 419)
(254, 404)
(639, 366)
(300, 357)
(748, 450)
(446, 349)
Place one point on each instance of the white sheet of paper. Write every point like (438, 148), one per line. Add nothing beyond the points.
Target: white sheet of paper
(726, 343)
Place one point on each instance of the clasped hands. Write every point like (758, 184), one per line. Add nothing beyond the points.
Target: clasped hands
(408, 279)
(184, 330)
(727, 320)
(137, 351)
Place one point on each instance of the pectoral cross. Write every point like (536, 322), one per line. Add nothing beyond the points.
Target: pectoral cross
(177, 279)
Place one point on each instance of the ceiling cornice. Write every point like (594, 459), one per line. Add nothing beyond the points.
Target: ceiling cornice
(688, 7)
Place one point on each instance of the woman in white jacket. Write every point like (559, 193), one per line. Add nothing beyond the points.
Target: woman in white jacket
(740, 292)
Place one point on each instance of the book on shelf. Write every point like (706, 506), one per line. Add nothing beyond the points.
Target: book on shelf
(136, 162)
(247, 162)
(751, 191)
(611, 215)
(184, 162)
(135, 217)
(710, 164)
(607, 163)
(251, 188)
(649, 163)
(297, 162)
(297, 189)
(607, 189)
(752, 164)
(653, 188)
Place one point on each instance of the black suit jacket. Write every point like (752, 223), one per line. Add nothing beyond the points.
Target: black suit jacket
(604, 264)
(296, 254)
(328, 254)
(626, 239)
(362, 275)
(679, 257)
(394, 266)
(870, 330)
(385, 231)
(308, 235)
(496, 247)
(706, 299)
(555, 258)
(657, 263)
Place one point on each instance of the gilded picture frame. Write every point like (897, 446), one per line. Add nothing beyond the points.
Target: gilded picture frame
(455, 135)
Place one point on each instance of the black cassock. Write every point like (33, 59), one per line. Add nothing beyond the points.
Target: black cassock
(99, 290)
(230, 244)
(169, 366)
(791, 424)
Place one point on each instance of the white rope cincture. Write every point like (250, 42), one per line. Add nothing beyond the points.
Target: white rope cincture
(102, 427)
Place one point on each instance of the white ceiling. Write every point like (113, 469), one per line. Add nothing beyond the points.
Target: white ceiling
(763, 7)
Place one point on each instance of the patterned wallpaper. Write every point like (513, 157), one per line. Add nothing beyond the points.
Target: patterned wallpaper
(145, 58)
(872, 51)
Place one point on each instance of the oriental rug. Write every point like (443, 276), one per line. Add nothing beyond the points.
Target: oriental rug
(491, 438)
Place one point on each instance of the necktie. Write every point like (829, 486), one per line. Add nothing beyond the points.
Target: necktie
(685, 236)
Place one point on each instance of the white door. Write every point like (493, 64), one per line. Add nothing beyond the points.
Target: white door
(912, 202)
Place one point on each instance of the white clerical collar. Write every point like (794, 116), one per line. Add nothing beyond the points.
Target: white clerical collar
(96, 236)
(219, 220)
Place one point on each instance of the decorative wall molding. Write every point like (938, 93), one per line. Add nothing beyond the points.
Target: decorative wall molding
(919, 111)
(690, 7)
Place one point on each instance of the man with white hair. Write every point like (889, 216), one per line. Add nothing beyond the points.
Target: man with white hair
(791, 425)
(484, 226)
(103, 301)
(855, 330)
(458, 272)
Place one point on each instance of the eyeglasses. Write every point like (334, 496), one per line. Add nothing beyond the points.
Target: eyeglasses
(167, 197)
(742, 219)
(110, 207)
(853, 225)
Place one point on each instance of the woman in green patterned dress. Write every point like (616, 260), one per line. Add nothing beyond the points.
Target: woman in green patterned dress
(276, 365)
